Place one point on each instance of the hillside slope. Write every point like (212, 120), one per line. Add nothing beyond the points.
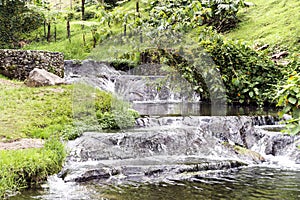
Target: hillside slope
(273, 22)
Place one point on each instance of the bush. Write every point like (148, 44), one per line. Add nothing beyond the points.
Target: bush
(289, 98)
(118, 116)
(249, 76)
(94, 109)
(186, 14)
(16, 19)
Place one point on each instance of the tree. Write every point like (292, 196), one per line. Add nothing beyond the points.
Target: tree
(82, 9)
(16, 20)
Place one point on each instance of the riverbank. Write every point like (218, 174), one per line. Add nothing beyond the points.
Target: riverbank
(27, 168)
(31, 122)
(35, 121)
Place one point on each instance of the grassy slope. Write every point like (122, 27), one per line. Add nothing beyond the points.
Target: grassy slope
(76, 49)
(33, 112)
(274, 22)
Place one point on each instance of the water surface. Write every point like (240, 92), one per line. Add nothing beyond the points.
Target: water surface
(244, 183)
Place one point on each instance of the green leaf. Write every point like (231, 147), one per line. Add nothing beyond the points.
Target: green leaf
(292, 100)
(235, 82)
(251, 94)
(256, 91)
(296, 90)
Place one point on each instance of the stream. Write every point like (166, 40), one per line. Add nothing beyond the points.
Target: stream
(180, 149)
(178, 158)
(256, 182)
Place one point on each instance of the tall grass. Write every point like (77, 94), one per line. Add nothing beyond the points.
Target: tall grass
(26, 168)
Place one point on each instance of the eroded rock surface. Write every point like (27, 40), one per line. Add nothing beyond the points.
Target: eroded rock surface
(175, 148)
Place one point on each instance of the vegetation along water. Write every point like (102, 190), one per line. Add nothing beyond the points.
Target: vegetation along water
(254, 46)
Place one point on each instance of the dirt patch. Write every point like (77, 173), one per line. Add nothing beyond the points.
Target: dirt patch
(8, 83)
(22, 144)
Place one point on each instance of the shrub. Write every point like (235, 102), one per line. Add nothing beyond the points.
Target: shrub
(249, 76)
(186, 14)
(94, 109)
(16, 19)
(289, 98)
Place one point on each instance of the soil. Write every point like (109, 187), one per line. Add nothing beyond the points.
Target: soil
(8, 83)
(24, 143)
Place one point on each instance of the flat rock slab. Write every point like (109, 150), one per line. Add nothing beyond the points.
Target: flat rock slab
(22, 144)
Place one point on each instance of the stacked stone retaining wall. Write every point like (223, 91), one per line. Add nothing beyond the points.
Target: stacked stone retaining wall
(16, 64)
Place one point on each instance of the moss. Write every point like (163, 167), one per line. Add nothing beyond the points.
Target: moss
(249, 153)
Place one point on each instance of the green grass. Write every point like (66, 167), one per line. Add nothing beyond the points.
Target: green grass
(37, 113)
(273, 22)
(50, 113)
(76, 49)
(72, 50)
(21, 169)
(34, 112)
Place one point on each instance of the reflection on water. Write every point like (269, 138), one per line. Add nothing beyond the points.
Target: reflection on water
(198, 109)
(245, 183)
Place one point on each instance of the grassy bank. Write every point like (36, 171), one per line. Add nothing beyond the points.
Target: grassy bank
(31, 113)
(47, 113)
(25, 168)
(270, 22)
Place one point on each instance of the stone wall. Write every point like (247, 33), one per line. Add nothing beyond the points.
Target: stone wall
(16, 64)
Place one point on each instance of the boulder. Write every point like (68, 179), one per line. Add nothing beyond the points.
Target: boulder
(40, 77)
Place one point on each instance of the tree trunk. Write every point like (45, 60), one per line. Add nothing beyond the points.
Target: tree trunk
(45, 33)
(125, 29)
(94, 39)
(137, 6)
(68, 31)
(82, 9)
(49, 32)
(55, 33)
(83, 38)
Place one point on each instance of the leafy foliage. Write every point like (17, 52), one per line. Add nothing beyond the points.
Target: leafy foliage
(186, 14)
(16, 20)
(116, 115)
(94, 110)
(289, 98)
(249, 76)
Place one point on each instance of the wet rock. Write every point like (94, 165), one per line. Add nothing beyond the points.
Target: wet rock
(86, 171)
(176, 147)
(40, 77)
(143, 169)
(249, 154)
(129, 86)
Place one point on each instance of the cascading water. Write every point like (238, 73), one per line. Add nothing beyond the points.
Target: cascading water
(200, 156)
